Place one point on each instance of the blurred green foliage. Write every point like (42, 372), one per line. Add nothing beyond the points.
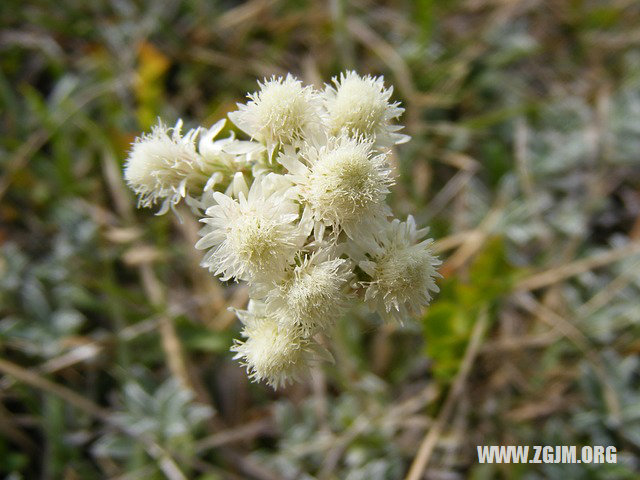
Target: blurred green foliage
(447, 324)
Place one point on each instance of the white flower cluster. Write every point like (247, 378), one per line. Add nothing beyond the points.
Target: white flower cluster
(298, 212)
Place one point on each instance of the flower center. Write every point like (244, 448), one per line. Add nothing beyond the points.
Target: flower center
(359, 108)
(344, 184)
(281, 112)
(401, 271)
(254, 239)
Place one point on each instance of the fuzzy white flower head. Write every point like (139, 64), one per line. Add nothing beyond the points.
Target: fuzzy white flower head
(164, 165)
(283, 111)
(361, 106)
(280, 227)
(402, 271)
(313, 295)
(343, 183)
(256, 236)
(271, 353)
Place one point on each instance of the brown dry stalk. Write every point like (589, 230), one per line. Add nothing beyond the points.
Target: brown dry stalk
(573, 333)
(237, 434)
(430, 440)
(607, 294)
(557, 274)
(450, 242)
(473, 243)
(176, 359)
(170, 342)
